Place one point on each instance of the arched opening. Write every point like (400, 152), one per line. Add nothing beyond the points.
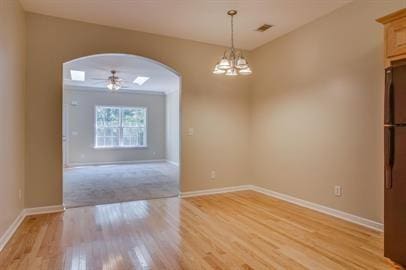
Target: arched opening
(121, 130)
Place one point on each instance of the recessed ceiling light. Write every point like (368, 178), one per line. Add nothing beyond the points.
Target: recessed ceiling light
(77, 75)
(140, 80)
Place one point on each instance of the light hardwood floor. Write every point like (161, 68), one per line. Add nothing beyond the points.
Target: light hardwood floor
(241, 230)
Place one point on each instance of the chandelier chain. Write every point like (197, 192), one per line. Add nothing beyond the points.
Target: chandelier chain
(233, 62)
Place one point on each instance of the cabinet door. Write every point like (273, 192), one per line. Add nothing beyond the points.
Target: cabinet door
(396, 38)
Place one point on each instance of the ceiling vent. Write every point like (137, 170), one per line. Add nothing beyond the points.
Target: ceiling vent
(264, 27)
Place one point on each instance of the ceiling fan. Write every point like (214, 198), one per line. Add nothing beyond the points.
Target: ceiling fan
(114, 83)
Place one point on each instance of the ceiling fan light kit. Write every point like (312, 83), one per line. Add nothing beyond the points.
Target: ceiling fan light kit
(233, 62)
(114, 82)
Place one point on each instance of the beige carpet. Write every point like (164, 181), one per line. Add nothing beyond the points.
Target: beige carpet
(92, 185)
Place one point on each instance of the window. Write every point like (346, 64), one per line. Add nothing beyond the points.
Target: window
(120, 127)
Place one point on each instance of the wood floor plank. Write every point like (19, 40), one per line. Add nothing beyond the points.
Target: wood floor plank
(240, 230)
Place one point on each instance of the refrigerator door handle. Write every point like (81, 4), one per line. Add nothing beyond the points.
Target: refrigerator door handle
(389, 156)
(389, 98)
(388, 177)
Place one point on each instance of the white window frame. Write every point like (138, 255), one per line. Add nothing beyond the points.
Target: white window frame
(120, 128)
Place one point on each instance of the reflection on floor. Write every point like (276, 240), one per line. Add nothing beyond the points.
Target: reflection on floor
(241, 230)
(93, 185)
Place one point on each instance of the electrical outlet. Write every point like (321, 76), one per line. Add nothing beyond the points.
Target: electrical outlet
(338, 191)
(213, 175)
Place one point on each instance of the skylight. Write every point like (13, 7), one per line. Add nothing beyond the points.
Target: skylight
(140, 80)
(77, 75)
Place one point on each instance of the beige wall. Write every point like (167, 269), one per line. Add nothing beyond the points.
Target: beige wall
(215, 106)
(308, 119)
(12, 118)
(317, 110)
(172, 127)
(81, 122)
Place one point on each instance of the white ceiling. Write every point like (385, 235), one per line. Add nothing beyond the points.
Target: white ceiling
(200, 20)
(97, 69)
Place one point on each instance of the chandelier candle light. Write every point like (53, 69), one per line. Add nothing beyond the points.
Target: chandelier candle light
(233, 62)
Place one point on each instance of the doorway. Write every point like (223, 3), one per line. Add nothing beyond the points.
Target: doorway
(120, 130)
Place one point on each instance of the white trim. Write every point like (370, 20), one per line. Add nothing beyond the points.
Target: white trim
(43, 210)
(129, 55)
(173, 162)
(79, 164)
(314, 206)
(65, 135)
(93, 89)
(213, 191)
(321, 208)
(24, 213)
(11, 230)
(171, 91)
(120, 147)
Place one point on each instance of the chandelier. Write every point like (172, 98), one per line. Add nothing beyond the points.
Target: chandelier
(233, 62)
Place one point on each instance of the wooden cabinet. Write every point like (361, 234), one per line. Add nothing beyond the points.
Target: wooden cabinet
(395, 36)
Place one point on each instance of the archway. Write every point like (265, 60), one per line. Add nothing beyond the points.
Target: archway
(121, 129)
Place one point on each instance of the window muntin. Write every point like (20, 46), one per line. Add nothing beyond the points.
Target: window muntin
(120, 127)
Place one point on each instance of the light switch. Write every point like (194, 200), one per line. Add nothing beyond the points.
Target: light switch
(191, 132)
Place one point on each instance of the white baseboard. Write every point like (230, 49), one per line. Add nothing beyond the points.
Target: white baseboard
(24, 213)
(11, 230)
(314, 206)
(213, 191)
(80, 164)
(173, 162)
(321, 208)
(44, 210)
